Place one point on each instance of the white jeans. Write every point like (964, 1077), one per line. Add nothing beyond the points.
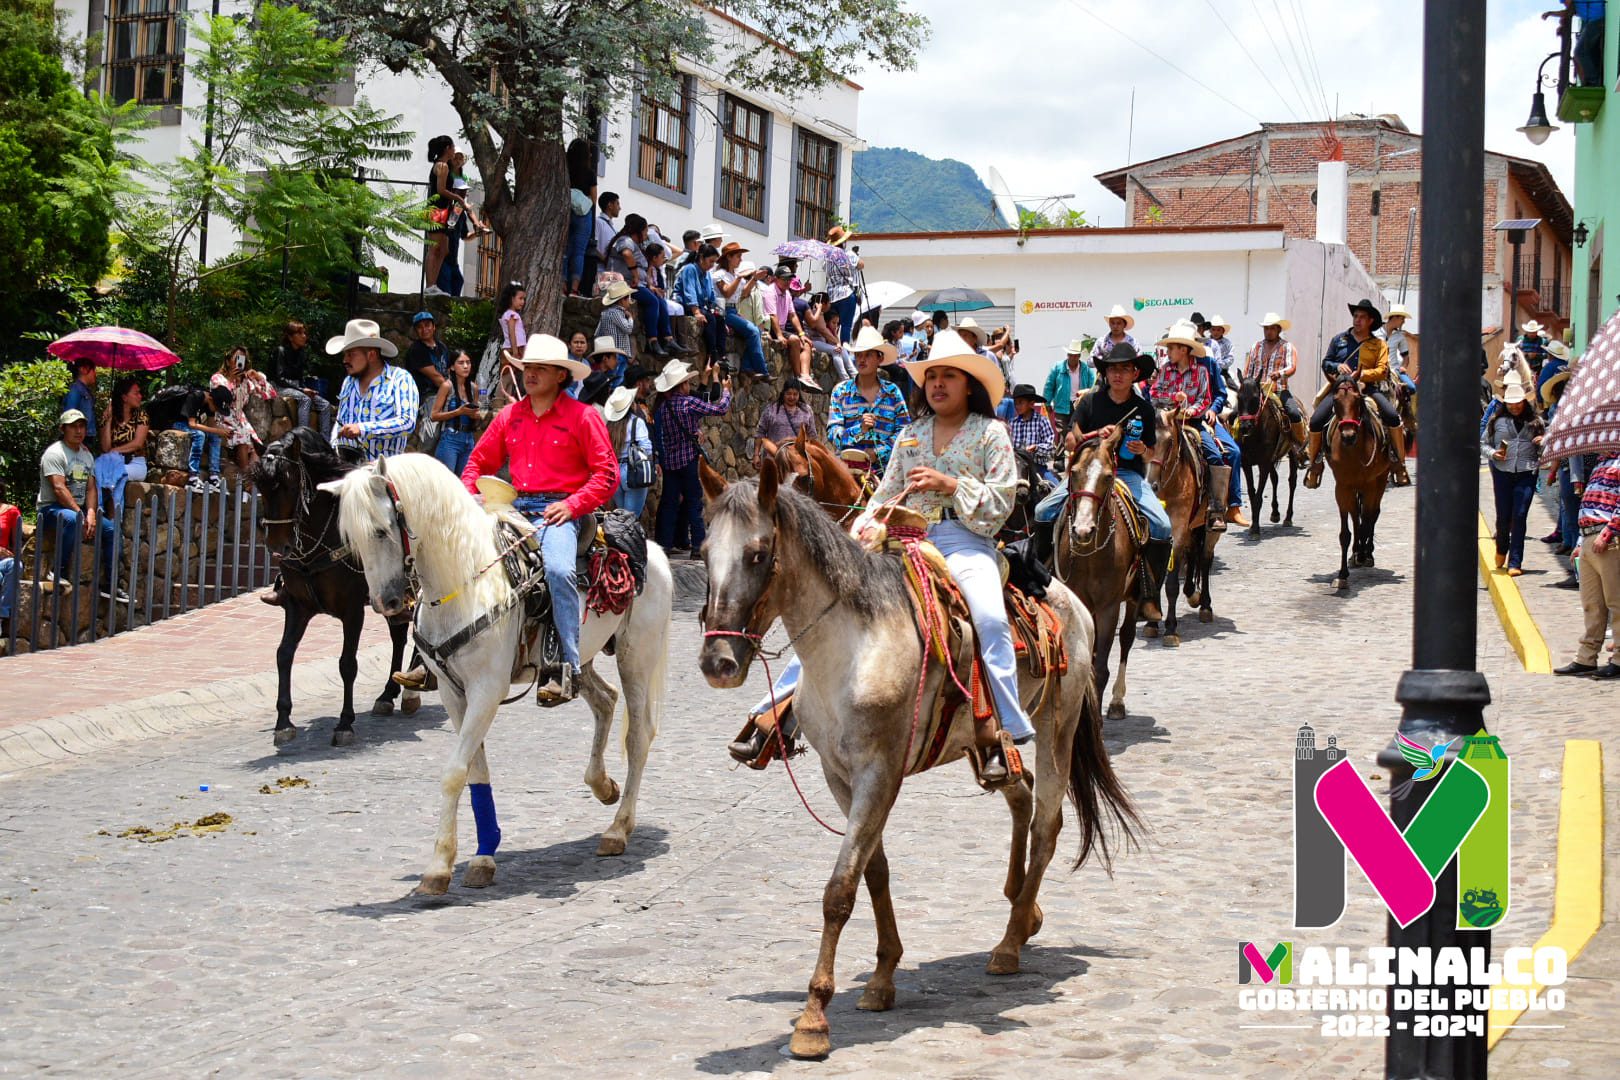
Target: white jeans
(971, 559)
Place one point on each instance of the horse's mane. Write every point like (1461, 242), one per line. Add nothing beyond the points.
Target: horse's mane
(870, 584)
(316, 455)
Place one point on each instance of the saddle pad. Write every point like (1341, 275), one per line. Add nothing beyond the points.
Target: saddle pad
(1130, 515)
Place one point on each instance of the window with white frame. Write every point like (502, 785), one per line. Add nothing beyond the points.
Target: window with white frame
(815, 184)
(744, 131)
(145, 51)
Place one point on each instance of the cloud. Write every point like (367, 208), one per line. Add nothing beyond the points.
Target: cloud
(1042, 89)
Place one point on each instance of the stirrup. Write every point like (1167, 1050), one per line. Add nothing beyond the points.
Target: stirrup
(757, 747)
(560, 690)
(418, 679)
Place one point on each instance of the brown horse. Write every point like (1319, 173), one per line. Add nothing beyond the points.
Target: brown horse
(1097, 558)
(1359, 457)
(1261, 431)
(812, 467)
(1180, 475)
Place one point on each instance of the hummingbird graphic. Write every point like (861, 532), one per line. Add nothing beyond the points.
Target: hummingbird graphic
(1425, 761)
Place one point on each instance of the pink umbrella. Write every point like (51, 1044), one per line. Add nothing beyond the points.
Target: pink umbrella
(114, 347)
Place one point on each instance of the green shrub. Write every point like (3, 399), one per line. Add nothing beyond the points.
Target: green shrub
(31, 393)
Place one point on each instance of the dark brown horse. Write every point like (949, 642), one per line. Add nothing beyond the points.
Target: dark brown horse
(1357, 452)
(1096, 557)
(814, 469)
(319, 576)
(1180, 475)
(1261, 431)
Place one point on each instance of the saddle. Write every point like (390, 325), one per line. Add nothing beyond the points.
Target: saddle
(863, 464)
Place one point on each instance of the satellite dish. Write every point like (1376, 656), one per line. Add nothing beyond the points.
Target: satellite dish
(1001, 198)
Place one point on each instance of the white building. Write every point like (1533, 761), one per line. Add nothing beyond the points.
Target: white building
(768, 168)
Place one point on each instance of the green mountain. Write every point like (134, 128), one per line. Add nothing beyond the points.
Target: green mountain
(899, 190)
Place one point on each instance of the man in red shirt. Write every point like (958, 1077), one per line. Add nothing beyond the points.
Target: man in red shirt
(563, 466)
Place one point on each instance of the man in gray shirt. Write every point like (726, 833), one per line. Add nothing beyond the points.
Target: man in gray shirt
(67, 502)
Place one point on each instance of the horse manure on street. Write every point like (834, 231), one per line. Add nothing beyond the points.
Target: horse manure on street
(216, 822)
(283, 783)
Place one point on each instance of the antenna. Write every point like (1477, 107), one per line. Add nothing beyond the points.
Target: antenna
(1001, 198)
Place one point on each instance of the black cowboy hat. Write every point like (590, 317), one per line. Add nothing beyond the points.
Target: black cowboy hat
(1025, 390)
(597, 388)
(1367, 306)
(1124, 352)
(1199, 321)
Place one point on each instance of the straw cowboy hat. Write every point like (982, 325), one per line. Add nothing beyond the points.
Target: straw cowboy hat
(545, 349)
(1367, 306)
(870, 340)
(604, 344)
(1118, 312)
(1398, 309)
(838, 236)
(710, 232)
(1553, 388)
(360, 334)
(1184, 333)
(1216, 320)
(616, 291)
(968, 326)
(618, 403)
(675, 372)
(1075, 348)
(1514, 392)
(1557, 349)
(1274, 319)
(951, 350)
(1531, 327)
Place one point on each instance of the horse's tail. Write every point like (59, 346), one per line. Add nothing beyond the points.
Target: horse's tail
(1095, 790)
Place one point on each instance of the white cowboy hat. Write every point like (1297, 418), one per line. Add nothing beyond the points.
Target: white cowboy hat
(1118, 312)
(1558, 349)
(360, 334)
(745, 268)
(1216, 320)
(616, 291)
(1531, 327)
(1184, 333)
(968, 326)
(1274, 319)
(545, 349)
(604, 344)
(1397, 309)
(711, 231)
(869, 340)
(1075, 348)
(951, 350)
(1514, 392)
(675, 372)
(618, 403)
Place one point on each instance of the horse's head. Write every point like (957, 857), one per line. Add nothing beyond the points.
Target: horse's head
(1166, 445)
(740, 554)
(793, 461)
(286, 478)
(1347, 403)
(1250, 400)
(373, 525)
(1091, 480)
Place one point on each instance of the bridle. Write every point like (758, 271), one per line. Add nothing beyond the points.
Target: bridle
(301, 556)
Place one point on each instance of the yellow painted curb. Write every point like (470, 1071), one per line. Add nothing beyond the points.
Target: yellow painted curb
(1578, 890)
(1522, 632)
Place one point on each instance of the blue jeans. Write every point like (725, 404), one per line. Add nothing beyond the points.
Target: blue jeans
(1221, 449)
(454, 448)
(681, 506)
(306, 401)
(1514, 492)
(8, 587)
(628, 498)
(200, 439)
(847, 309)
(753, 355)
(654, 315)
(54, 517)
(1569, 507)
(559, 549)
(1147, 501)
(579, 236)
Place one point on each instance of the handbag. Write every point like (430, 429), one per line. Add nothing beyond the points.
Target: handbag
(638, 465)
(439, 215)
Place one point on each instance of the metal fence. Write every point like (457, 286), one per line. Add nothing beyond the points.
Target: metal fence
(156, 537)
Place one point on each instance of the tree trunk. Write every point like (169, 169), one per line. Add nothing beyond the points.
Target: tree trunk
(533, 227)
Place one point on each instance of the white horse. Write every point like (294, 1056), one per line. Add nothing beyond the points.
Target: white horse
(409, 514)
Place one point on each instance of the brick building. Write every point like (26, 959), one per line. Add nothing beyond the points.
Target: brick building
(1270, 176)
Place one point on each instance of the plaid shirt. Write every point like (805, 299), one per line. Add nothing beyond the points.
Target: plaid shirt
(1194, 382)
(1600, 502)
(1261, 366)
(386, 412)
(615, 323)
(675, 427)
(1034, 430)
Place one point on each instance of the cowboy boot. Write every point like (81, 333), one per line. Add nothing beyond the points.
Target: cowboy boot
(748, 748)
(275, 593)
(1313, 472)
(1297, 433)
(1220, 481)
(1155, 562)
(1397, 439)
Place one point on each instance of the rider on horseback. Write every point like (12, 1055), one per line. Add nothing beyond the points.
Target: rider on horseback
(1187, 384)
(564, 468)
(1357, 354)
(1274, 359)
(866, 412)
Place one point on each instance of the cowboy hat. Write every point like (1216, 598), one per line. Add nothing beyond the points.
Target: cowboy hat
(952, 350)
(837, 236)
(1531, 327)
(1552, 389)
(1514, 392)
(1025, 390)
(1557, 349)
(618, 403)
(545, 349)
(1398, 309)
(870, 340)
(498, 494)
(711, 231)
(615, 291)
(733, 247)
(1125, 353)
(596, 388)
(675, 372)
(1075, 347)
(745, 268)
(360, 334)
(1184, 333)
(968, 326)
(1118, 312)
(1216, 320)
(1367, 306)
(604, 344)
(1274, 319)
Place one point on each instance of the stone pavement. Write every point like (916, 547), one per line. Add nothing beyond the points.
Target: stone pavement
(285, 944)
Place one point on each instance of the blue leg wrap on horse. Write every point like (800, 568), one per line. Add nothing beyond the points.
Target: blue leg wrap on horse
(483, 804)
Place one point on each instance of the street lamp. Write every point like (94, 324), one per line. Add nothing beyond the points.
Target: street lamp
(1581, 233)
(1538, 128)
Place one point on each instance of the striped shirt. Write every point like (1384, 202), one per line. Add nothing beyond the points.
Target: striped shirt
(676, 427)
(844, 429)
(1268, 361)
(386, 412)
(1600, 502)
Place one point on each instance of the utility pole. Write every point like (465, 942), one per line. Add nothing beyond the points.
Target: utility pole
(208, 153)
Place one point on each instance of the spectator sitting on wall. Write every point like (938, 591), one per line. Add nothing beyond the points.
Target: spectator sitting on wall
(201, 415)
(237, 374)
(691, 245)
(656, 307)
(784, 326)
(607, 205)
(10, 553)
(290, 374)
(734, 287)
(694, 291)
(513, 336)
(81, 394)
(615, 321)
(124, 430)
(67, 503)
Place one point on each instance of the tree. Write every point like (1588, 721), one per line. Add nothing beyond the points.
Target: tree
(524, 73)
(59, 156)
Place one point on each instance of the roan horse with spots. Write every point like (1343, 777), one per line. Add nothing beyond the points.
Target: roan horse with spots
(773, 554)
(409, 518)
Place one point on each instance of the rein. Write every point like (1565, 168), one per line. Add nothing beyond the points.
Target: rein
(306, 545)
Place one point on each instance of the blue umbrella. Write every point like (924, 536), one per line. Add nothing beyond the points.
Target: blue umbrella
(954, 300)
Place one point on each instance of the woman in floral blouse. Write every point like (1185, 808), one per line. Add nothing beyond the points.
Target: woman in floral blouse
(866, 412)
(237, 374)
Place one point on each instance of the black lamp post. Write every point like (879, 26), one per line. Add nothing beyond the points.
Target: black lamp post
(1443, 696)
(1538, 128)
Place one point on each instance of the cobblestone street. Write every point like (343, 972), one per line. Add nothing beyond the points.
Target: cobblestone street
(285, 943)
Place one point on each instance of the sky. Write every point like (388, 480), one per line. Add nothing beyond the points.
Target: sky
(1042, 89)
